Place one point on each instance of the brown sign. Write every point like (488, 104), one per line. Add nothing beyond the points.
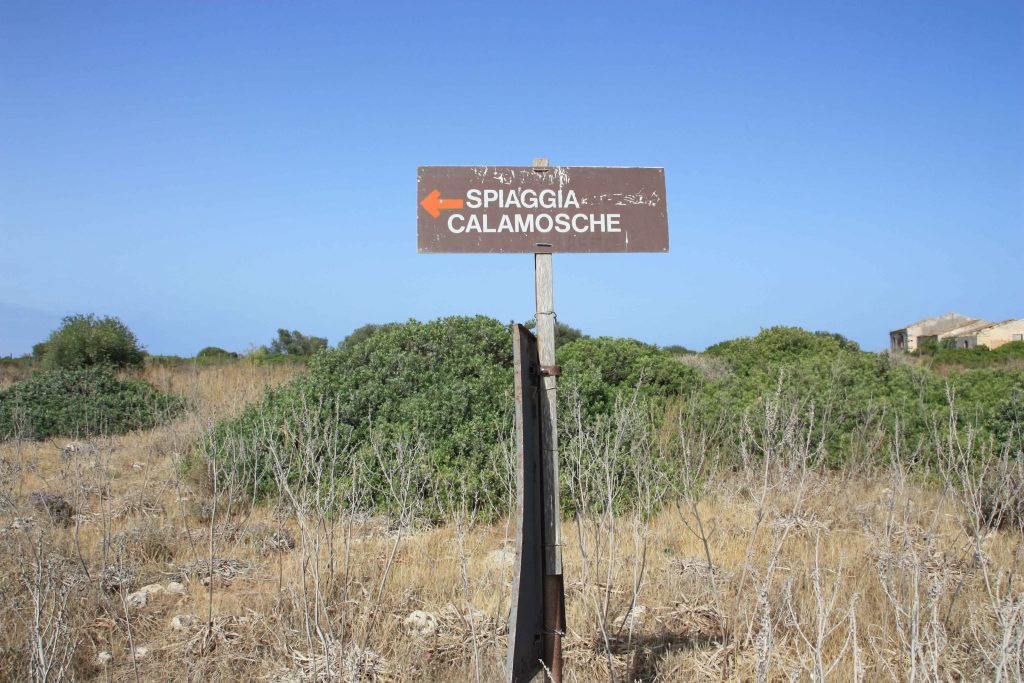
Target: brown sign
(525, 209)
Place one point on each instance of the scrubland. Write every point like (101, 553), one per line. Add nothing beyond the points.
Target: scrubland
(125, 560)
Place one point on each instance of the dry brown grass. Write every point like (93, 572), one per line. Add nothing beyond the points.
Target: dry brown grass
(775, 571)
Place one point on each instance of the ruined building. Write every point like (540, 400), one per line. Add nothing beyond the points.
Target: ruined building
(964, 331)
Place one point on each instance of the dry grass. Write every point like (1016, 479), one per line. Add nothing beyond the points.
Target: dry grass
(775, 571)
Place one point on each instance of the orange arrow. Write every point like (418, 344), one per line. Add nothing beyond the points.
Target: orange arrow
(433, 203)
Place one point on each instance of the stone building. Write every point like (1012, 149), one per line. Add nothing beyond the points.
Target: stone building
(992, 335)
(909, 338)
(959, 334)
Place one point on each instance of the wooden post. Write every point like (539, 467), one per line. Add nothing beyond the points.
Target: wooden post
(526, 618)
(554, 590)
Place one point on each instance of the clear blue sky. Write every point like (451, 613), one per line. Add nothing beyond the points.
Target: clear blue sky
(211, 171)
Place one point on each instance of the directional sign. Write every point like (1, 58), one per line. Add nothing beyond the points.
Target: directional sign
(525, 209)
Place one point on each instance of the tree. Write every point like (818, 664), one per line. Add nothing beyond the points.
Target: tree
(294, 343)
(85, 341)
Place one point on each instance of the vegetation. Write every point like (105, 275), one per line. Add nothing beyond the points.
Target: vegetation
(850, 390)
(564, 334)
(362, 333)
(215, 354)
(698, 476)
(120, 564)
(15, 368)
(1011, 354)
(81, 402)
(294, 343)
(598, 372)
(85, 341)
(448, 381)
(678, 350)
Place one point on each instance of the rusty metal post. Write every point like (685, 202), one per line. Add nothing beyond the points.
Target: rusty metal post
(554, 590)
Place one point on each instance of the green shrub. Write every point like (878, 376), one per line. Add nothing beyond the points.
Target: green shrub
(449, 380)
(361, 334)
(678, 350)
(294, 343)
(85, 340)
(82, 402)
(849, 388)
(215, 354)
(564, 334)
(980, 356)
(927, 347)
(604, 368)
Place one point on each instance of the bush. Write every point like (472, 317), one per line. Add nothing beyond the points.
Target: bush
(449, 380)
(214, 354)
(850, 388)
(980, 356)
(927, 347)
(83, 402)
(602, 369)
(678, 350)
(564, 334)
(85, 341)
(294, 343)
(361, 334)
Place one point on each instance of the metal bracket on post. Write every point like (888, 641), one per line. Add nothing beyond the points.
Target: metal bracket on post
(547, 370)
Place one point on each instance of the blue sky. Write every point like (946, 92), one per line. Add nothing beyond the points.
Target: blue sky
(209, 172)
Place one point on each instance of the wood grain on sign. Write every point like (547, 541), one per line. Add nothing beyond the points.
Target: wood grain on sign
(525, 209)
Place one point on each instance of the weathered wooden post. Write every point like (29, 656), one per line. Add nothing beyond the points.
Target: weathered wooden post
(526, 615)
(554, 592)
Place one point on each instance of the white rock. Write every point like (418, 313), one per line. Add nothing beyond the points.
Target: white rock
(631, 619)
(103, 658)
(141, 652)
(420, 623)
(182, 622)
(175, 588)
(138, 599)
(152, 589)
(502, 558)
